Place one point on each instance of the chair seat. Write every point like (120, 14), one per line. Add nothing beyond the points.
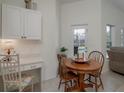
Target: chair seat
(14, 85)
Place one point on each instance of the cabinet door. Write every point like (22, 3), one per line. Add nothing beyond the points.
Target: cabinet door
(32, 24)
(11, 22)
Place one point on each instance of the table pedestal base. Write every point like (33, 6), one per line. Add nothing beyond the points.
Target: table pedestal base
(83, 85)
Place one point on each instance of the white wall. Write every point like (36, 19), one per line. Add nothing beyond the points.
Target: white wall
(95, 13)
(114, 16)
(59, 20)
(0, 18)
(81, 12)
(45, 49)
(50, 36)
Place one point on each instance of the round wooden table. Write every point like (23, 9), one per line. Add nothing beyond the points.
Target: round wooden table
(83, 68)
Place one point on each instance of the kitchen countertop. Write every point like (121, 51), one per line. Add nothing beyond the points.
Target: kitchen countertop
(29, 58)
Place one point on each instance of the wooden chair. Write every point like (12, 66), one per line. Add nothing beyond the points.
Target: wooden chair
(11, 74)
(99, 57)
(59, 56)
(67, 77)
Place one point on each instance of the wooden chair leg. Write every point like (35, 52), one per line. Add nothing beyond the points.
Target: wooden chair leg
(89, 78)
(77, 83)
(58, 71)
(96, 86)
(5, 89)
(71, 82)
(101, 82)
(66, 89)
(32, 87)
(60, 84)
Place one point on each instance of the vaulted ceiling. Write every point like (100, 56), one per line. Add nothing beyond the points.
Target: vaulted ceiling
(119, 3)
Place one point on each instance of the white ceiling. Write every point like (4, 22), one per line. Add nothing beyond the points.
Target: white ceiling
(68, 1)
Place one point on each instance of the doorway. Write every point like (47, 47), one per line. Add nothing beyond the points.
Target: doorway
(110, 37)
(122, 37)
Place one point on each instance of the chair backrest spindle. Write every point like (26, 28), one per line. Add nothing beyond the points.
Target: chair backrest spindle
(10, 68)
(98, 57)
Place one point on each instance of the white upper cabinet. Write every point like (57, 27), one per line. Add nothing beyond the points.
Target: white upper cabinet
(32, 24)
(11, 22)
(20, 23)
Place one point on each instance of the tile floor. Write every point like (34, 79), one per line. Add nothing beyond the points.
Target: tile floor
(112, 81)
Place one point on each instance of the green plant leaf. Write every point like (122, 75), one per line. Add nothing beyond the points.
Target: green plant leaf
(63, 49)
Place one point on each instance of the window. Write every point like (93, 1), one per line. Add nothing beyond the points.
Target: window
(80, 38)
(122, 37)
(109, 36)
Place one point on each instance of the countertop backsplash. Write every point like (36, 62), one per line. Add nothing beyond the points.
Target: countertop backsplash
(28, 50)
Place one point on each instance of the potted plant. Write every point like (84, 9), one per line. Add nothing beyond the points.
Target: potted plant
(63, 50)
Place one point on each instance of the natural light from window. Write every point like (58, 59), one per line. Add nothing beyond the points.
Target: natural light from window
(79, 40)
